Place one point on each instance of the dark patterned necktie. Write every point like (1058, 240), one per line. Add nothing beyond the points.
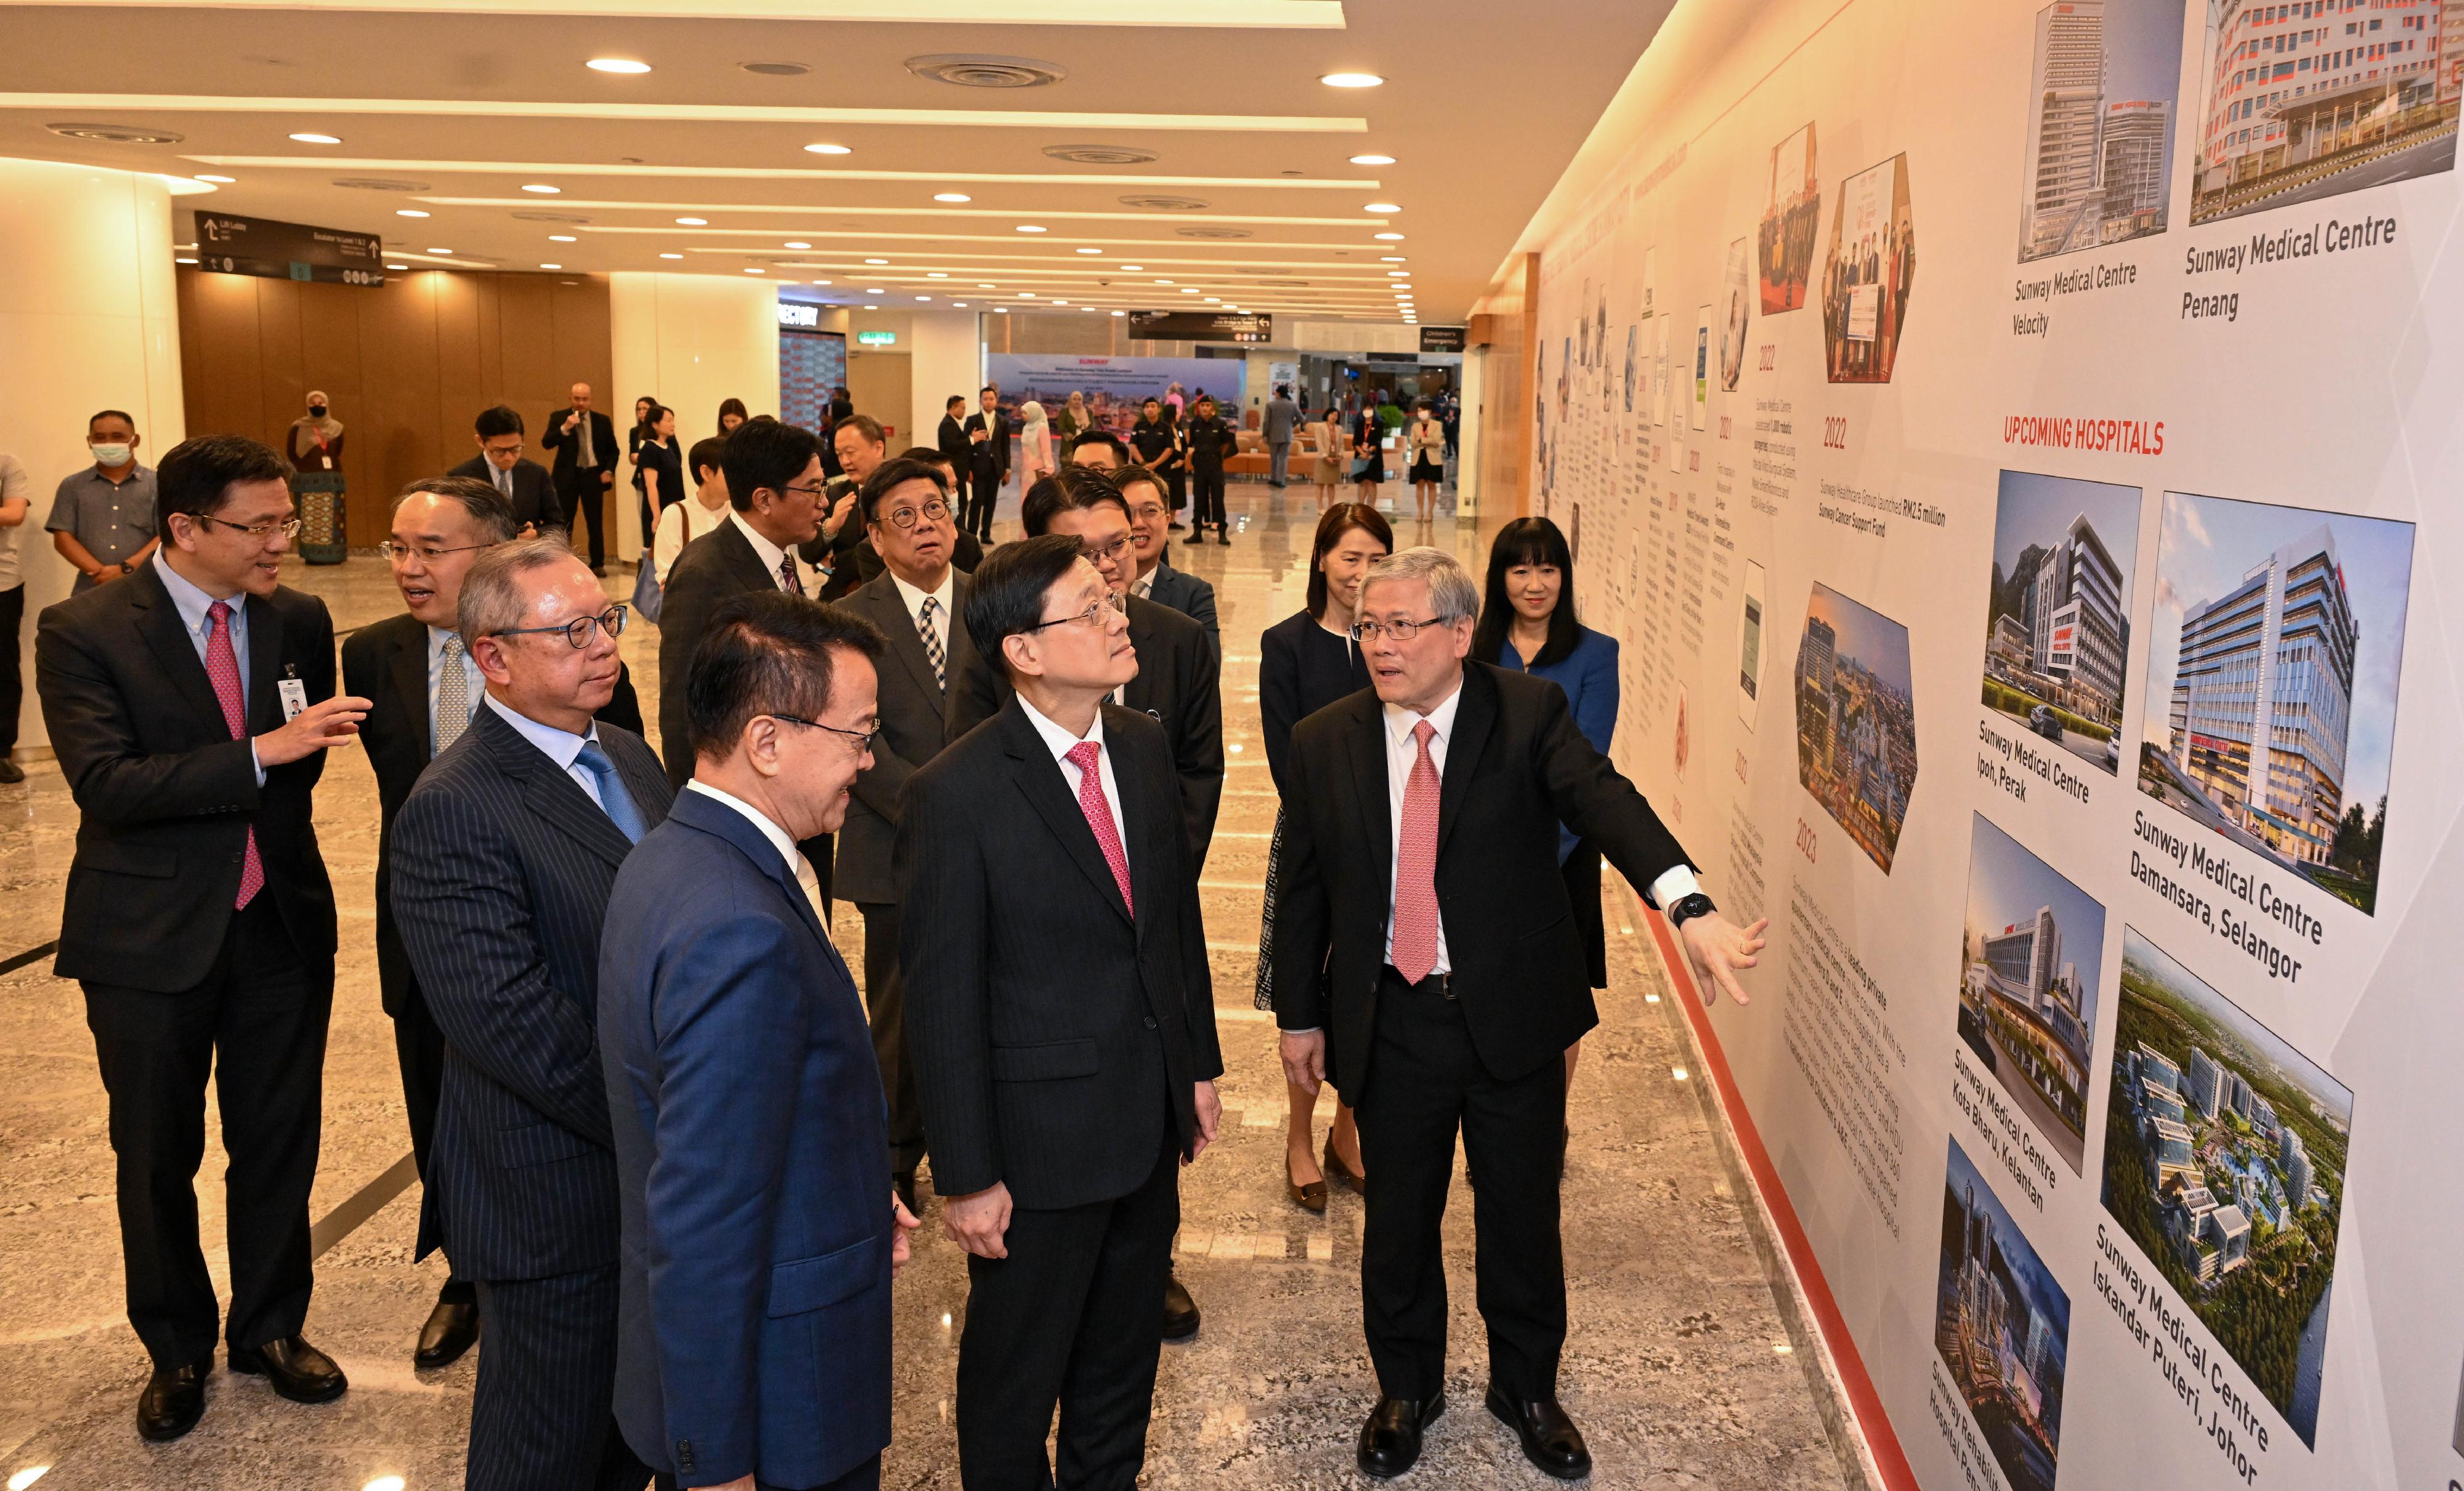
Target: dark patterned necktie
(787, 579)
(926, 628)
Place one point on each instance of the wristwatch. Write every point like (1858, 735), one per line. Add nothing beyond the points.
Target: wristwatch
(1688, 908)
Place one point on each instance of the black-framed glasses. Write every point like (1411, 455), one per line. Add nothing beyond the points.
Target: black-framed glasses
(288, 527)
(1401, 630)
(863, 738)
(581, 631)
(391, 552)
(933, 511)
(1093, 615)
(1107, 554)
(814, 493)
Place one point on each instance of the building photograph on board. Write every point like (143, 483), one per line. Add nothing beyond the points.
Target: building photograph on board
(2002, 1328)
(2032, 950)
(1873, 267)
(2098, 164)
(2272, 660)
(2224, 1161)
(2058, 618)
(1856, 720)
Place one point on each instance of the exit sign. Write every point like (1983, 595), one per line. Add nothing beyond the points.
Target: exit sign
(876, 339)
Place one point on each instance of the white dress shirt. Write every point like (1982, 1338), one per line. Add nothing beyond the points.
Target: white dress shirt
(915, 601)
(195, 608)
(473, 684)
(1059, 741)
(562, 747)
(680, 523)
(798, 866)
(770, 554)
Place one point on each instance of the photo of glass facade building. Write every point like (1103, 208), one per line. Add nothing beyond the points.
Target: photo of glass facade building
(2095, 167)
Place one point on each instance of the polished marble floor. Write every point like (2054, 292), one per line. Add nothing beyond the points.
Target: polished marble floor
(1688, 1364)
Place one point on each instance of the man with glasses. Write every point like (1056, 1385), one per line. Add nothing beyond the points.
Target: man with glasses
(191, 705)
(1431, 965)
(1063, 1021)
(916, 604)
(523, 484)
(502, 860)
(423, 687)
(1149, 530)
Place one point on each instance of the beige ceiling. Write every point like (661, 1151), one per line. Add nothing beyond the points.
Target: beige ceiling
(1249, 199)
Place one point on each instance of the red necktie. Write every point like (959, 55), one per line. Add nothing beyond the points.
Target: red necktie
(1416, 867)
(789, 579)
(1099, 816)
(221, 666)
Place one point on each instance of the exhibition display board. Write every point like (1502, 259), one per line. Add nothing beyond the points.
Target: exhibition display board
(2014, 445)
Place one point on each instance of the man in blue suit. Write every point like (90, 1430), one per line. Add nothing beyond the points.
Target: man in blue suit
(761, 1229)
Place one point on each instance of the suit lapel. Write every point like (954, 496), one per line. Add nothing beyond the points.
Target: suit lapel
(410, 687)
(157, 622)
(1474, 718)
(1146, 691)
(745, 565)
(1138, 828)
(551, 793)
(1040, 778)
(1368, 742)
(888, 609)
(264, 663)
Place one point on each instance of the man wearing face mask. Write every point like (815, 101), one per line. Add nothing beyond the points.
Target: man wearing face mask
(103, 517)
(524, 484)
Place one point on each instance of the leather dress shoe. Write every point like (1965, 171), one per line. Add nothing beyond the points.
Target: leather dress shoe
(1179, 1310)
(173, 1398)
(1339, 1172)
(1389, 1441)
(295, 1369)
(1549, 1438)
(452, 1330)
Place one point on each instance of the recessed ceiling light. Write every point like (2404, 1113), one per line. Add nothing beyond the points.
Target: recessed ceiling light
(1060, 303)
(551, 266)
(624, 65)
(767, 69)
(1214, 300)
(187, 259)
(937, 274)
(671, 255)
(408, 212)
(952, 196)
(440, 250)
(318, 140)
(1390, 258)
(1399, 274)
(1164, 281)
(397, 266)
(693, 222)
(820, 281)
(986, 284)
(1029, 228)
(793, 244)
(1120, 313)
(1000, 310)
(1388, 238)
(1384, 206)
(923, 297)
(1134, 267)
(958, 305)
(1351, 80)
(828, 149)
(219, 180)
(1373, 159)
(1091, 250)
(756, 271)
(541, 187)
(1089, 309)
(562, 238)
(1191, 291)
(875, 291)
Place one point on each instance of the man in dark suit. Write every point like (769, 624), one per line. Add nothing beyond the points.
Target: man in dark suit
(1150, 524)
(952, 437)
(1178, 671)
(1421, 832)
(988, 439)
(524, 484)
(585, 443)
(422, 688)
(966, 553)
(916, 604)
(191, 705)
(756, 1346)
(502, 858)
(1062, 1017)
(860, 447)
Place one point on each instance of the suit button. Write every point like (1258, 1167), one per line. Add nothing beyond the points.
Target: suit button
(1151, 1022)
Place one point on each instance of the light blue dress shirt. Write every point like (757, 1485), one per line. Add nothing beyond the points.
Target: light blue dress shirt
(557, 745)
(193, 606)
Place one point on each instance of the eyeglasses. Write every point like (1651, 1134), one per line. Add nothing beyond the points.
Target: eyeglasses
(516, 449)
(1093, 615)
(288, 528)
(393, 553)
(581, 631)
(863, 738)
(816, 493)
(1400, 631)
(1107, 553)
(932, 511)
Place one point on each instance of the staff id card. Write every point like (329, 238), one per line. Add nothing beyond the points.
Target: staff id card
(295, 697)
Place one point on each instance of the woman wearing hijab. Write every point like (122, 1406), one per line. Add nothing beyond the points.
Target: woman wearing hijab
(316, 440)
(1073, 419)
(1035, 444)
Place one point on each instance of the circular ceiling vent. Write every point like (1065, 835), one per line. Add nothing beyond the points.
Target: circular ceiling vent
(379, 184)
(118, 134)
(549, 217)
(1101, 155)
(1212, 232)
(775, 69)
(985, 72)
(1167, 204)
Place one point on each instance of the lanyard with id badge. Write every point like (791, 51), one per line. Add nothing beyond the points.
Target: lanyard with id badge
(293, 691)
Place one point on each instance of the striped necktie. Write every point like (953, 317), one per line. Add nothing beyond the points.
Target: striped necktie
(931, 632)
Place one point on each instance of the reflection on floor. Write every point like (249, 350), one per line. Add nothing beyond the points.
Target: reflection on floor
(1686, 1366)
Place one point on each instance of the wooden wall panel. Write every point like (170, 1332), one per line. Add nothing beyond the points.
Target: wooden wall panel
(408, 367)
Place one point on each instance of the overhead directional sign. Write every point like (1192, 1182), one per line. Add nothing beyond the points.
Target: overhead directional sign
(1258, 326)
(259, 246)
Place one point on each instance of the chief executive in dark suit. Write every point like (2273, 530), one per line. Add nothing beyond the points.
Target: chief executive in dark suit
(502, 858)
(760, 1230)
(585, 443)
(524, 484)
(916, 604)
(191, 705)
(422, 688)
(1426, 952)
(1178, 671)
(1062, 1017)
(987, 435)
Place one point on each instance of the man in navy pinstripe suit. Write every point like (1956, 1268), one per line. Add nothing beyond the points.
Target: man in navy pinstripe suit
(503, 858)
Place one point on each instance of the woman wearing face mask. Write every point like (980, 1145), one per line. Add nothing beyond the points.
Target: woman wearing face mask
(316, 440)
(1306, 662)
(1526, 621)
(1428, 441)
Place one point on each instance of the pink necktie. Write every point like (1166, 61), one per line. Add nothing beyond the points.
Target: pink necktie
(1099, 816)
(1416, 867)
(221, 666)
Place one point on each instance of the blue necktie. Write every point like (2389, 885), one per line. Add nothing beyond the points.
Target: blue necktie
(613, 794)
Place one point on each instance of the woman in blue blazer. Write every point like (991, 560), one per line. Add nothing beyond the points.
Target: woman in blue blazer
(1526, 621)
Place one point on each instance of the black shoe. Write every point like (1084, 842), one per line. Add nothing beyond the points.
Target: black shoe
(11, 771)
(452, 1330)
(1549, 1438)
(1389, 1441)
(1339, 1172)
(1176, 525)
(1179, 1310)
(298, 1371)
(1197, 536)
(173, 1398)
(1224, 537)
